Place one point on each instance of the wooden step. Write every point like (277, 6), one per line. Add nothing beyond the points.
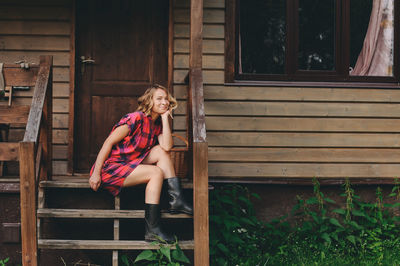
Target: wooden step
(93, 213)
(83, 182)
(105, 244)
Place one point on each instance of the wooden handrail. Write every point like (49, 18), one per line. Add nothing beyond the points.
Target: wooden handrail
(35, 158)
(35, 113)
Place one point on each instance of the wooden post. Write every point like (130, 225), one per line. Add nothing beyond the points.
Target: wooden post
(28, 203)
(47, 121)
(200, 146)
(200, 188)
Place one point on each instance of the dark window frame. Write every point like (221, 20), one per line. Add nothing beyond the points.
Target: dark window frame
(294, 76)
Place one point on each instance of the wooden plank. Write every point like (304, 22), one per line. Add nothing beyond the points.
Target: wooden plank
(60, 58)
(115, 258)
(36, 3)
(60, 152)
(35, 113)
(246, 93)
(304, 181)
(210, 76)
(311, 109)
(19, 77)
(60, 121)
(14, 114)
(200, 184)
(28, 203)
(47, 126)
(207, 3)
(209, 61)
(304, 170)
(306, 124)
(96, 214)
(320, 155)
(61, 105)
(72, 77)
(268, 139)
(50, 13)
(83, 182)
(210, 16)
(179, 76)
(209, 31)
(60, 89)
(34, 43)
(9, 185)
(11, 188)
(60, 136)
(214, 76)
(104, 244)
(59, 167)
(61, 74)
(51, 28)
(209, 46)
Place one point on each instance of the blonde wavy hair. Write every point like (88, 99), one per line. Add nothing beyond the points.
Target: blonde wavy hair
(146, 100)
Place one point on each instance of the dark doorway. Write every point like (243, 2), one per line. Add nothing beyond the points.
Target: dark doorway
(122, 47)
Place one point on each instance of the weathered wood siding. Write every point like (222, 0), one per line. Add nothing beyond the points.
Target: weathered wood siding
(32, 28)
(286, 132)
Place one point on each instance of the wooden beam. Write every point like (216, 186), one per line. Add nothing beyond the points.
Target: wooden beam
(9, 151)
(200, 187)
(70, 167)
(200, 147)
(14, 75)
(105, 244)
(35, 113)
(28, 204)
(195, 72)
(302, 181)
(14, 114)
(46, 129)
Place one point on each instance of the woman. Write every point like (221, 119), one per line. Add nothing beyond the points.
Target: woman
(136, 152)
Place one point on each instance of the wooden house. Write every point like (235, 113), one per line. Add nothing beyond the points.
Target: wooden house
(268, 94)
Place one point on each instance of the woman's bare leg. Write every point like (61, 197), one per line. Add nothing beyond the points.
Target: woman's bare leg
(150, 174)
(162, 159)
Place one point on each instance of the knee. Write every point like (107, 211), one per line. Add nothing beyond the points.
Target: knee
(162, 155)
(157, 174)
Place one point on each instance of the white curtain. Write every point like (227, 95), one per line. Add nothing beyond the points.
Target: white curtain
(376, 57)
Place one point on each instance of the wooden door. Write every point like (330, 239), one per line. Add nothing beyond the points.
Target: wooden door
(122, 47)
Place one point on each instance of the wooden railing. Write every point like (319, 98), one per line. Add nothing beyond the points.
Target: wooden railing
(198, 136)
(34, 151)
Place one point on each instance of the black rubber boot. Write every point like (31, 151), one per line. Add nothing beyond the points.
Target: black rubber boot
(177, 201)
(153, 232)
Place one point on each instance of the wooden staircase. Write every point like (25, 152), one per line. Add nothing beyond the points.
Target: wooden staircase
(116, 214)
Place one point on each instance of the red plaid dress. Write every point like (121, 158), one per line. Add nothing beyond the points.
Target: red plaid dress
(129, 152)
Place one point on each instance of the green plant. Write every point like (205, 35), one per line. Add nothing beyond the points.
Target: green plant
(318, 231)
(4, 261)
(234, 229)
(164, 255)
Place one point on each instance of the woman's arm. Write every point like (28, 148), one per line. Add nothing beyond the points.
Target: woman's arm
(116, 136)
(165, 139)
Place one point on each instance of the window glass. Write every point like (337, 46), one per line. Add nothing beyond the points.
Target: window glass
(317, 34)
(262, 38)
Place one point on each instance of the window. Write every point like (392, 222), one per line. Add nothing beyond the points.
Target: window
(312, 40)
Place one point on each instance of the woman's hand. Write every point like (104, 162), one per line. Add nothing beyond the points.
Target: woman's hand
(95, 181)
(166, 114)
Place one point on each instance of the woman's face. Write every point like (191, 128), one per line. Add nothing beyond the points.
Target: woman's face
(160, 101)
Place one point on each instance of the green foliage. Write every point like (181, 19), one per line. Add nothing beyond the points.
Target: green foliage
(164, 255)
(318, 230)
(4, 261)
